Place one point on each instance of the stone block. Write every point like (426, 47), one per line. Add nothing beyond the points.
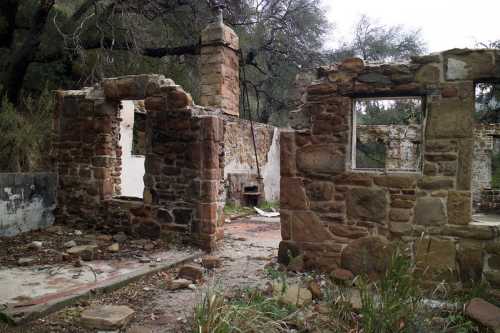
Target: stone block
(320, 191)
(494, 261)
(320, 158)
(459, 207)
(480, 232)
(368, 255)
(450, 118)
(355, 65)
(436, 258)
(367, 203)
(430, 73)
(470, 65)
(355, 179)
(485, 313)
(400, 228)
(106, 317)
(400, 215)
(293, 194)
(470, 261)
(307, 227)
(348, 231)
(395, 181)
(430, 212)
(182, 215)
(435, 183)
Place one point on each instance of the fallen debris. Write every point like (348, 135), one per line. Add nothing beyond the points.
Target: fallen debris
(266, 214)
(106, 317)
(211, 262)
(484, 312)
(190, 272)
(178, 284)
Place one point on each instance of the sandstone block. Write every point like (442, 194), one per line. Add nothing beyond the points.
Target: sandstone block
(435, 183)
(190, 272)
(436, 258)
(485, 313)
(459, 207)
(320, 158)
(470, 260)
(106, 317)
(430, 212)
(368, 255)
(395, 181)
(355, 65)
(368, 203)
(293, 194)
(307, 227)
(400, 215)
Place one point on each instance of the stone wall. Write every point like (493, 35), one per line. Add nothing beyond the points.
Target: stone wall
(27, 202)
(239, 155)
(484, 142)
(337, 216)
(183, 165)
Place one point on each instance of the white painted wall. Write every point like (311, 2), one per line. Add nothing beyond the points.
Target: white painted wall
(132, 176)
(271, 170)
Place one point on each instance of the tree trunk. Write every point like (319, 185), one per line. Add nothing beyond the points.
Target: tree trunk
(21, 58)
(8, 12)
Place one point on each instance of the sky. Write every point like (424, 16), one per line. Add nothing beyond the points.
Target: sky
(444, 24)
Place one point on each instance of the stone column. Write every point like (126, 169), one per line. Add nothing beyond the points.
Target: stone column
(219, 67)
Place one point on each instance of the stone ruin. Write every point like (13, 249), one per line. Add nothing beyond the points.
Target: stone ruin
(334, 214)
(338, 216)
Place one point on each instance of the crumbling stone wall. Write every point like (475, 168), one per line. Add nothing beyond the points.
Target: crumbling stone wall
(402, 142)
(239, 157)
(336, 216)
(183, 167)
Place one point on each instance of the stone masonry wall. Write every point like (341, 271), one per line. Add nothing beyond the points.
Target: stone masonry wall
(183, 167)
(338, 217)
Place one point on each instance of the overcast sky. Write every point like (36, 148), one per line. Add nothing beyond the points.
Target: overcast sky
(445, 24)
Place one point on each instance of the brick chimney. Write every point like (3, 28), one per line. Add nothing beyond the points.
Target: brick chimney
(219, 67)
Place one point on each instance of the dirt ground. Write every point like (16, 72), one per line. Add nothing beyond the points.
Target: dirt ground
(249, 245)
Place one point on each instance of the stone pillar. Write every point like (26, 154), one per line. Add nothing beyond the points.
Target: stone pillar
(219, 67)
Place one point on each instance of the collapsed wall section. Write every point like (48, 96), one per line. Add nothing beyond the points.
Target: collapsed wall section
(183, 165)
(337, 216)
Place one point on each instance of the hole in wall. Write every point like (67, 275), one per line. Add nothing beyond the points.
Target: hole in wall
(132, 141)
(387, 134)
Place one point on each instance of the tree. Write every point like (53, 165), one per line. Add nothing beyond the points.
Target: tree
(373, 41)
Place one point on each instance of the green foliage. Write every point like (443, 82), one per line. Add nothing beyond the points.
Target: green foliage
(388, 112)
(25, 133)
(393, 303)
(250, 312)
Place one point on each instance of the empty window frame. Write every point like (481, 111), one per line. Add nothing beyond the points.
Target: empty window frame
(487, 103)
(387, 134)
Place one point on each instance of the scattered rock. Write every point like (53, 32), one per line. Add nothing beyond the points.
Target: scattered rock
(104, 238)
(355, 299)
(315, 290)
(211, 262)
(86, 252)
(115, 247)
(342, 275)
(106, 317)
(144, 260)
(25, 261)
(69, 244)
(190, 272)
(120, 237)
(178, 284)
(192, 286)
(36, 245)
(292, 295)
(485, 313)
(149, 246)
(78, 233)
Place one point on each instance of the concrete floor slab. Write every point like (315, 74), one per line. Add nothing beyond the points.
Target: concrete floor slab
(27, 293)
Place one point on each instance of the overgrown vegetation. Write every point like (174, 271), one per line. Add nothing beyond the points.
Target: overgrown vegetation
(25, 133)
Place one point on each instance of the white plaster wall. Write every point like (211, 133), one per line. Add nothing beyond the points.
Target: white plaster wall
(132, 176)
(271, 170)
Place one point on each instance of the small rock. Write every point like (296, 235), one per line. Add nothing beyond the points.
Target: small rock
(25, 261)
(342, 275)
(36, 245)
(211, 262)
(192, 286)
(178, 284)
(115, 247)
(69, 244)
(120, 237)
(355, 299)
(315, 290)
(106, 317)
(190, 272)
(292, 295)
(144, 260)
(104, 238)
(86, 252)
(149, 246)
(485, 313)
(78, 233)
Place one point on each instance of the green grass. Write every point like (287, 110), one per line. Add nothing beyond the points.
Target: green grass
(231, 209)
(249, 312)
